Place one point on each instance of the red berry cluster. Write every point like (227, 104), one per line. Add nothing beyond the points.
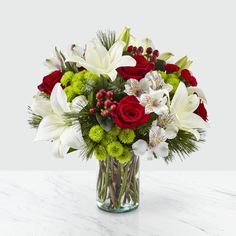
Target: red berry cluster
(150, 53)
(105, 104)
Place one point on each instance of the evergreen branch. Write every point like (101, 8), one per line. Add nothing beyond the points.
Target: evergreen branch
(183, 144)
(107, 39)
(34, 119)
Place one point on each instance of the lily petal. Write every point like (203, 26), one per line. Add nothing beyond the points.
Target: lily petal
(192, 120)
(58, 149)
(79, 103)
(198, 91)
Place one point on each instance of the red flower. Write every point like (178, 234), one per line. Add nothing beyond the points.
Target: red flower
(201, 111)
(171, 68)
(49, 81)
(143, 66)
(188, 77)
(130, 113)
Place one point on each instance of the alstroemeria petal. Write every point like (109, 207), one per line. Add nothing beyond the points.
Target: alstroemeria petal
(58, 100)
(161, 150)
(171, 131)
(140, 147)
(50, 128)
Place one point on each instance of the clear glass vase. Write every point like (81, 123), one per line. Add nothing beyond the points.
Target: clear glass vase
(118, 185)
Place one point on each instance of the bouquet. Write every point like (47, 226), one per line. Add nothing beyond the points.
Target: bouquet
(118, 100)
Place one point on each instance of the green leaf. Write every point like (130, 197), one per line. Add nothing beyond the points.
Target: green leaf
(165, 56)
(183, 63)
(125, 37)
(105, 122)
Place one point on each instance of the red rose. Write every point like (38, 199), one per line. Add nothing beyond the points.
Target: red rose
(171, 68)
(49, 81)
(188, 77)
(130, 113)
(201, 111)
(143, 66)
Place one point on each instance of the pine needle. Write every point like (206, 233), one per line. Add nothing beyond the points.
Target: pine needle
(107, 39)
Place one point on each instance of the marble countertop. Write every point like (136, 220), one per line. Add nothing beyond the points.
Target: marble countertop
(39, 203)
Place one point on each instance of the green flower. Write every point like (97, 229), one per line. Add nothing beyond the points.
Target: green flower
(163, 75)
(90, 75)
(78, 82)
(127, 136)
(66, 78)
(107, 139)
(70, 94)
(96, 133)
(115, 149)
(114, 131)
(125, 156)
(174, 81)
(100, 152)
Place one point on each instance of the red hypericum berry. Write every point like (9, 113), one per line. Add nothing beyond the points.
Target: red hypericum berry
(130, 48)
(149, 50)
(113, 107)
(155, 53)
(109, 94)
(108, 103)
(140, 49)
(100, 104)
(92, 110)
(105, 113)
(99, 95)
(153, 58)
(103, 92)
(134, 49)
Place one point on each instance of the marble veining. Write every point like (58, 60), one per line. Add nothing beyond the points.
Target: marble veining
(44, 203)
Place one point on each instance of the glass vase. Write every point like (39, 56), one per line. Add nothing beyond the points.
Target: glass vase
(118, 185)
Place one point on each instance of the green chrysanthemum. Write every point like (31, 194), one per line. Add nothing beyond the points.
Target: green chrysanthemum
(100, 152)
(127, 136)
(174, 81)
(78, 82)
(114, 131)
(70, 94)
(107, 139)
(96, 133)
(163, 75)
(66, 78)
(125, 156)
(115, 149)
(90, 75)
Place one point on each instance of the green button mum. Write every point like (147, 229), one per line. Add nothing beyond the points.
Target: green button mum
(100, 153)
(127, 136)
(115, 149)
(96, 133)
(125, 156)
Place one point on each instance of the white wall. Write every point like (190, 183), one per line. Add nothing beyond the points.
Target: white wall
(204, 30)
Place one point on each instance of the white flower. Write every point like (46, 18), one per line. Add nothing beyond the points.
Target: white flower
(198, 91)
(183, 106)
(100, 61)
(157, 144)
(41, 105)
(53, 126)
(155, 101)
(136, 88)
(145, 43)
(156, 81)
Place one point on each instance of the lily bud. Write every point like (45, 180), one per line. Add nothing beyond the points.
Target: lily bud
(125, 37)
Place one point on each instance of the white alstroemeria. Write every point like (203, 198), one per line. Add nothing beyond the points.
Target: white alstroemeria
(157, 82)
(76, 50)
(137, 88)
(155, 101)
(41, 105)
(198, 91)
(157, 144)
(183, 106)
(99, 60)
(53, 126)
(145, 43)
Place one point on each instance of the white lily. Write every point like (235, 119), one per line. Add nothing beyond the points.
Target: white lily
(198, 91)
(155, 101)
(183, 107)
(53, 126)
(157, 144)
(41, 106)
(100, 61)
(145, 43)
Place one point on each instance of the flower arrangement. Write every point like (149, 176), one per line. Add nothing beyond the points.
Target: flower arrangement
(117, 100)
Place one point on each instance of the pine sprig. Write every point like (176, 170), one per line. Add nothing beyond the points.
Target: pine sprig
(107, 39)
(183, 145)
(34, 120)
